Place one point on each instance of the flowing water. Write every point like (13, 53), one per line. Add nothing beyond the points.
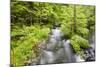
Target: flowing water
(90, 52)
(59, 50)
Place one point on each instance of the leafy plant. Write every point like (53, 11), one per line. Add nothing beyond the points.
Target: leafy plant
(78, 43)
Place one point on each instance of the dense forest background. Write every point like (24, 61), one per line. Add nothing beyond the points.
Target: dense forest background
(31, 23)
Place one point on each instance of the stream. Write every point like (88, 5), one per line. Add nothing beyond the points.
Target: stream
(59, 50)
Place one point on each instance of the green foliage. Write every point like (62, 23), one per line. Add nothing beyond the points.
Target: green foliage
(78, 43)
(66, 29)
(83, 32)
(32, 36)
(31, 23)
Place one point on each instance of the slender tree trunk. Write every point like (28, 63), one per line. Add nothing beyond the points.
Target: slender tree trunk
(74, 18)
(14, 59)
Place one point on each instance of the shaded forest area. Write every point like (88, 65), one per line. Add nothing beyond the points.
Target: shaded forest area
(31, 23)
